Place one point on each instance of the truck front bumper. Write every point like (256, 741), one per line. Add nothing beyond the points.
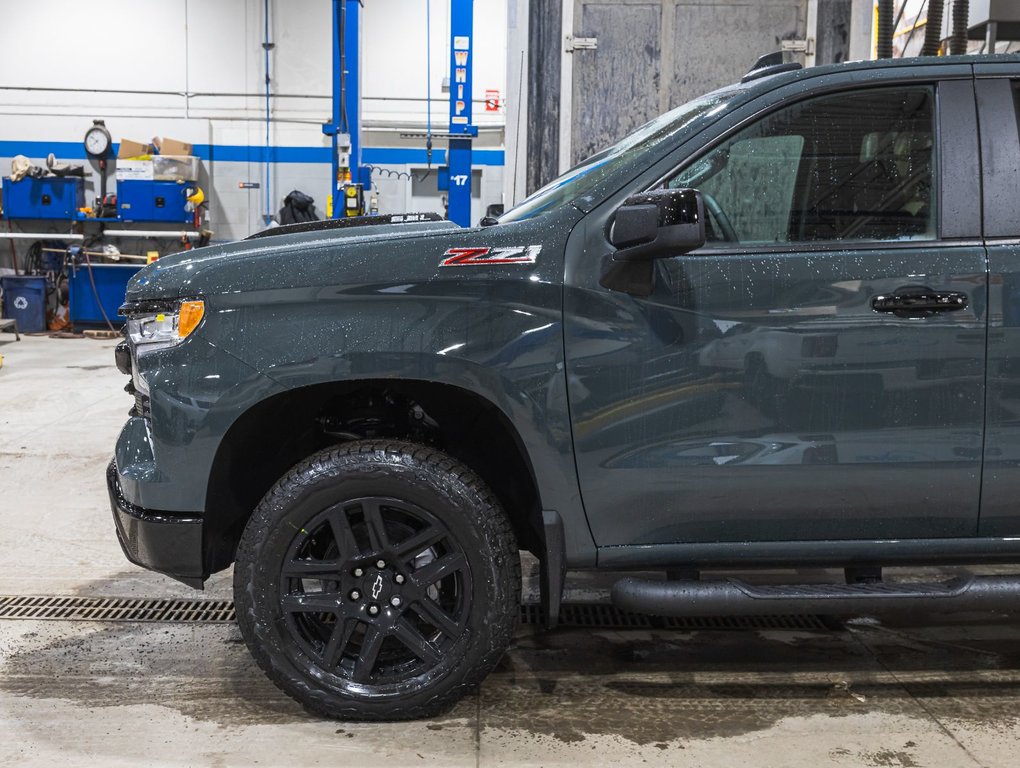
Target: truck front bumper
(166, 542)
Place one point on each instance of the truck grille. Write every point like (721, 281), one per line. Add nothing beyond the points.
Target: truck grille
(141, 406)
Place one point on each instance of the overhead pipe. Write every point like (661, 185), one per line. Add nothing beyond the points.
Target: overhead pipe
(883, 46)
(933, 28)
(961, 20)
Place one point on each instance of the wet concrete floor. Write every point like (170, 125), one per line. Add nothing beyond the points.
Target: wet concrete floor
(944, 692)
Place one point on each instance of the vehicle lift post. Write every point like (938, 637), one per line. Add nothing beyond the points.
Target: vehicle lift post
(350, 180)
(458, 157)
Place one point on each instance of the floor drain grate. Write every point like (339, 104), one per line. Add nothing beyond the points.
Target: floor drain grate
(115, 609)
(593, 615)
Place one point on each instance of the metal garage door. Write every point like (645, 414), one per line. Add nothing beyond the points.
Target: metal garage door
(656, 54)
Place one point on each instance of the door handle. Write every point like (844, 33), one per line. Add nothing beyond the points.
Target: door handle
(919, 301)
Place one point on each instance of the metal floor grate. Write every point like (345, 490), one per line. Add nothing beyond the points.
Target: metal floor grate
(115, 609)
(593, 615)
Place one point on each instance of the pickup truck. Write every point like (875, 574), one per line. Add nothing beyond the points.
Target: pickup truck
(776, 327)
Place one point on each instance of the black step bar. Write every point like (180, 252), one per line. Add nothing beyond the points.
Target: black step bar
(731, 597)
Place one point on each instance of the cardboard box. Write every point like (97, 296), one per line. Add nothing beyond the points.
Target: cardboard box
(129, 148)
(173, 147)
(174, 168)
(134, 169)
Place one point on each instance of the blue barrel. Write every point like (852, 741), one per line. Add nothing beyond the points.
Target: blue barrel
(25, 301)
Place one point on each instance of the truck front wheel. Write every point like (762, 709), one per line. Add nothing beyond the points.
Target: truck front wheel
(378, 580)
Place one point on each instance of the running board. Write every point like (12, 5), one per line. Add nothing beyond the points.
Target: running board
(731, 597)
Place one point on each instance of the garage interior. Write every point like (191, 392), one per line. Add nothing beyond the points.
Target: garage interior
(130, 131)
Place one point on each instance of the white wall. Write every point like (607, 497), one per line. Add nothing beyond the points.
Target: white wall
(193, 70)
(394, 59)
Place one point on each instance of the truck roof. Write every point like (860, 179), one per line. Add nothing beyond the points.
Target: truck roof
(780, 77)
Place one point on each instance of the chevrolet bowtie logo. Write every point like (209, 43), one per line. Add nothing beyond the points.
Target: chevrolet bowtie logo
(377, 587)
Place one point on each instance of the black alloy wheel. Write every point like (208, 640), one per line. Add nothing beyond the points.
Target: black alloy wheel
(378, 580)
(378, 592)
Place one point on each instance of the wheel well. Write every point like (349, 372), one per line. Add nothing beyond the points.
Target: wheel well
(277, 433)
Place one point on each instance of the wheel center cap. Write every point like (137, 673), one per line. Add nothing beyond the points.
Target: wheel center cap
(377, 586)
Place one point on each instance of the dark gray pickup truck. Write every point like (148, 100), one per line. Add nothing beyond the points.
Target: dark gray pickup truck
(776, 327)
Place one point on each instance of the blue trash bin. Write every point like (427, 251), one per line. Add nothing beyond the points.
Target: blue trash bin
(25, 302)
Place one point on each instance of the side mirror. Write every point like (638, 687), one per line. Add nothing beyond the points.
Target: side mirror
(652, 225)
(658, 224)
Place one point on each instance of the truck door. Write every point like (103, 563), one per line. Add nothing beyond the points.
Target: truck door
(816, 371)
(998, 97)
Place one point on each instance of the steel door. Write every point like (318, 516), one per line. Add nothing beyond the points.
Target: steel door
(655, 55)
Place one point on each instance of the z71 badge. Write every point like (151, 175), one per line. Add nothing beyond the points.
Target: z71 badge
(476, 257)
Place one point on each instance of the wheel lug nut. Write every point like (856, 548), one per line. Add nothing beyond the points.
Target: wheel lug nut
(358, 572)
(399, 579)
(394, 601)
(380, 564)
(355, 594)
(373, 609)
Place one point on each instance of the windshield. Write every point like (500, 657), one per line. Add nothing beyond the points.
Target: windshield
(583, 177)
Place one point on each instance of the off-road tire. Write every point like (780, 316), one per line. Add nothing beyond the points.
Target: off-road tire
(421, 476)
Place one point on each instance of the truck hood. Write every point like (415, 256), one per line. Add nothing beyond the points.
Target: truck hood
(279, 261)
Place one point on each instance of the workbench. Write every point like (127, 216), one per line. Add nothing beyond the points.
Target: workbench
(6, 323)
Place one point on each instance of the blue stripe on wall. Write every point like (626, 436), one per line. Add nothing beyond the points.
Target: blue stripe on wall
(240, 153)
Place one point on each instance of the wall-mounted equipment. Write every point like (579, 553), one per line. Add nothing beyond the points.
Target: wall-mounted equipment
(98, 141)
(354, 199)
(344, 126)
(144, 200)
(99, 146)
(49, 197)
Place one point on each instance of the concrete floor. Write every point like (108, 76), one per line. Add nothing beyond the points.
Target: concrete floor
(941, 694)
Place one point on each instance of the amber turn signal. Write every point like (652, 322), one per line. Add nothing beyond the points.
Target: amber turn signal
(190, 316)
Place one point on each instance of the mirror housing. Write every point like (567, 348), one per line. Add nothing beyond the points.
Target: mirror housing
(658, 224)
(649, 226)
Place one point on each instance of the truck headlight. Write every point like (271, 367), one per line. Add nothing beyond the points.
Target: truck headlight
(154, 326)
(148, 331)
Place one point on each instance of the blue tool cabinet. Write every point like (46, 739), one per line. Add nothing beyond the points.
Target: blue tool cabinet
(110, 285)
(50, 197)
(144, 200)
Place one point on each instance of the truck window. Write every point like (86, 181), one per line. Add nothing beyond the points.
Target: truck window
(851, 166)
(580, 179)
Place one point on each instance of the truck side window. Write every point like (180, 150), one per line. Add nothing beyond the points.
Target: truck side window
(851, 166)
